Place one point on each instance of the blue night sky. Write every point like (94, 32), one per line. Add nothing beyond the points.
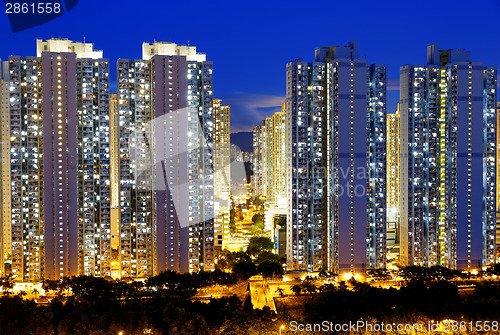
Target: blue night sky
(251, 42)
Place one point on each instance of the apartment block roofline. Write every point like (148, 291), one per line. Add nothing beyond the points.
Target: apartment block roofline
(435, 56)
(82, 50)
(171, 49)
(325, 54)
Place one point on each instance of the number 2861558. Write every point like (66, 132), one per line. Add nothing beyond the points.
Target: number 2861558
(32, 8)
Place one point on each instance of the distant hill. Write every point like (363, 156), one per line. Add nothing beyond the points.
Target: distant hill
(244, 140)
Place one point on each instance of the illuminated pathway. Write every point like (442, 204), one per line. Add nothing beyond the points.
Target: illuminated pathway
(261, 295)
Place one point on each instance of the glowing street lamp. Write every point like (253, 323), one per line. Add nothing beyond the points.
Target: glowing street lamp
(347, 275)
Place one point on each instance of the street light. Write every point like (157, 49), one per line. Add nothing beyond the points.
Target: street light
(281, 328)
(347, 275)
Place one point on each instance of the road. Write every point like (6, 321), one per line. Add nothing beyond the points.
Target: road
(261, 295)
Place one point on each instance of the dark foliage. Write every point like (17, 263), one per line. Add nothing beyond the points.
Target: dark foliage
(160, 305)
(433, 300)
(258, 244)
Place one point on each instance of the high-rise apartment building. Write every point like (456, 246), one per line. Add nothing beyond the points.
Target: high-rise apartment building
(222, 173)
(22, 174)
(256, 160)
(393, 186)
(6, 249)
(55, 147)
(259, 180)
(448, 161)
(275, 128)
(115, 210)
(307, 170)
(168, 96)
(498, 185)
(269, 141)
(377, 166)
(94, 184)
(134, 169)
(335, 111)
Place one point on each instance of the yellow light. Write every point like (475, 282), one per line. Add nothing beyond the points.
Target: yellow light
(357, 276)
(347, 275)
(474, 272)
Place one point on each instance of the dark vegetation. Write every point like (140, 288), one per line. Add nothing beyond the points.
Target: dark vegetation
(437, 300)
(258, 259)
(163, 304)
(160, 305)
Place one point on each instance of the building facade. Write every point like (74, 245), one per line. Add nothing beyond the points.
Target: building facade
(135, 245)
(259, 165)
(170, 93)
(498, 183)
(270, 169)
(377, 167)
(59, 201)
(448, 161)
(275, 146)
(393, 186)
(222, 173)
(336, 162)
(119, 186)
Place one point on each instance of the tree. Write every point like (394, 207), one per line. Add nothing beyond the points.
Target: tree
(493, 270)
(247, 305)
(232, 226)
(255, 230)
(309, 287)
(281, 292)
(35, 292)
(237, 256)
(297, 289)
(268, 256)
(6, 283)
(244, 269)
(257, 201)
(342, 286)
(258, 244)
(256, 218)
(323, 273)
(327, 288)
(378, 274)
(438, 272)
(415, 273)
(270, 268)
